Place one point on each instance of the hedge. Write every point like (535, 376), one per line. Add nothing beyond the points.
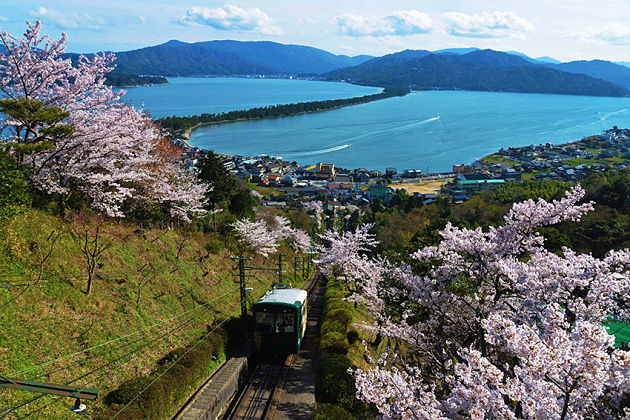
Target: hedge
(335, 390)
(171, 390)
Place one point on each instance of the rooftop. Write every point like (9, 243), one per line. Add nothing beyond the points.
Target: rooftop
(284, 296)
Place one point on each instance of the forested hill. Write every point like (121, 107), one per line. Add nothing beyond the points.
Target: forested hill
(224, 58)
(288, 59)
(600, 69)
(483, 70)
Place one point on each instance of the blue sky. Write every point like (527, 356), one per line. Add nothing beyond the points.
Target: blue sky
(564, 29)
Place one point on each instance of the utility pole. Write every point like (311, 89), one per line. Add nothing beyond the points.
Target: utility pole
(242, 279)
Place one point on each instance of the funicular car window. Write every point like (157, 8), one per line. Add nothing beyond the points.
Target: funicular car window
(265, 318)
(287, 322)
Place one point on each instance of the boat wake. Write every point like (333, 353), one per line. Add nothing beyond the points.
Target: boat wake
(605, 116)
(428, 120)
(318, 152)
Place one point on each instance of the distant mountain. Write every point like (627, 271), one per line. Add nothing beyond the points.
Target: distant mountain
(181, 59)
(455, 50)
(498, 59)
(600, 69)
(548, 60)
(177, 58)
(482, 70)
(538, 60)
(289, 59)
(623, 63)
(524, 56)
(399, 57)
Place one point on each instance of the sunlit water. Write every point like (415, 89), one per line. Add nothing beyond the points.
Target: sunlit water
(424, 130)
(186, 96)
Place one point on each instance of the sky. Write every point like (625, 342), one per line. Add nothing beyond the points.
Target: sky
(563, 29)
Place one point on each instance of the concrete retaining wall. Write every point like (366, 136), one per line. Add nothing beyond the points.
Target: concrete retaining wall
(210, 400)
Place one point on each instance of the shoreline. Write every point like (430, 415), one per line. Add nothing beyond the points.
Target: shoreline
(187, 133)
(485, 161)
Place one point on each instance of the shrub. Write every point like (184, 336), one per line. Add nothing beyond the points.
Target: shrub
(15, 191)
(352, 336)
(335, 383)
(342, 315)
(215, 246)
(162, 397)
(332, 412)
(333, 325)
(334, 342)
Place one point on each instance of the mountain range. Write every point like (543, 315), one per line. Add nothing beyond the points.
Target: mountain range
(224, 58)
(454, 68)
(481, 70)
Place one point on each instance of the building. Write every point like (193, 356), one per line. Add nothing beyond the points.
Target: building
(462, 169)
(381, 192)
(325, 170)
(479, 184)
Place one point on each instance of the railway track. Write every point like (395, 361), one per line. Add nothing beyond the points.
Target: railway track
(254, 399)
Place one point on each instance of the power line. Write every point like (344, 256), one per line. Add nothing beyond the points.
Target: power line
(22, 372)
(171, 365)
(95, 355)
(130, 353)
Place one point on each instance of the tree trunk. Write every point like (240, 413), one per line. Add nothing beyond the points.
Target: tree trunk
(62, 205)
(89, 285)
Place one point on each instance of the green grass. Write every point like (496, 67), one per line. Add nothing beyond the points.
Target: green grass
(55, 318)
(497, 158)
(266, 191)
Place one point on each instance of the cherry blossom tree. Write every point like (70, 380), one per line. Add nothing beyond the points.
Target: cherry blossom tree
(498, 326)
(264, 235)
(345, 254)
(316, 210)
(108, 154)
(256, 236)
(300, 241)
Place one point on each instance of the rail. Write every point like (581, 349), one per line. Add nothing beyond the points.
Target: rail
(254, 399)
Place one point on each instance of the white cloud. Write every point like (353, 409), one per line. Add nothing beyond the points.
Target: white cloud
(404, 22)
(142, 19)
(68, 20)
(612, 33)
(4, 19)
(230, 17)
(486, 25)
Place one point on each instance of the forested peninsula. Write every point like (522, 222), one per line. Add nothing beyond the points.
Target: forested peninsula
(116, 79)
(187, 124)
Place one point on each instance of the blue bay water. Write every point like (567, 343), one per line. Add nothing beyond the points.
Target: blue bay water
(424, 130)
(197, 95)
(404, 132)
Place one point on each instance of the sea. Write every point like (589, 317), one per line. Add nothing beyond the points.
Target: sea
(429, 130)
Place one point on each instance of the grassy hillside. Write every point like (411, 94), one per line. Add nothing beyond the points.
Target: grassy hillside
(154, 291)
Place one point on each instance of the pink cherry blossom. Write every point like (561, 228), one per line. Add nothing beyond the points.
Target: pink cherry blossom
(111, 156)
(500, 327)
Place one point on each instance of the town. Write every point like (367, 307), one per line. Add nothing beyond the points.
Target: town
(289, 183)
